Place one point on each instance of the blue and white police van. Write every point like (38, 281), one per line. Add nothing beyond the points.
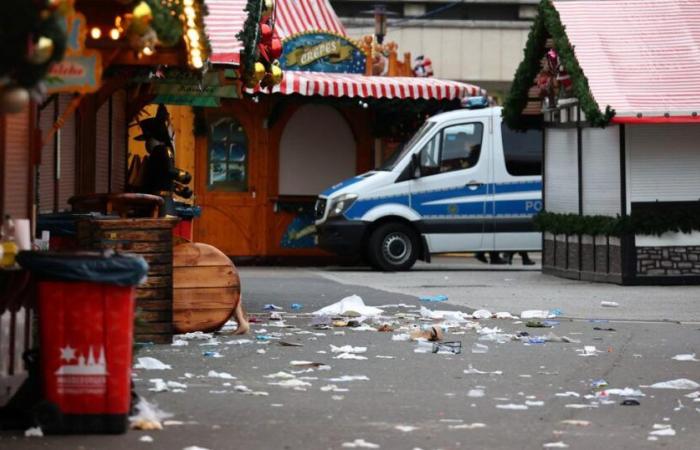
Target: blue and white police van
(464, 182)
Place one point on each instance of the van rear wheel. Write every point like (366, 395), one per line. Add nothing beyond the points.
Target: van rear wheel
(393, 247)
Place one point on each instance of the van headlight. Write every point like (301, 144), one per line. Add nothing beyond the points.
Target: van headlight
(341, 204)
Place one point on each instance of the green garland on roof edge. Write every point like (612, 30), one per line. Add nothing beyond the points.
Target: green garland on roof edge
(548, 23)
(249, 37)
(648, 222)
(167, 25)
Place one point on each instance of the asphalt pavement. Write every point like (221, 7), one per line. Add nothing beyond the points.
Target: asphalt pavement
(503, 391)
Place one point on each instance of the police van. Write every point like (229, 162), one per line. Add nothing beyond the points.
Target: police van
(463, 182)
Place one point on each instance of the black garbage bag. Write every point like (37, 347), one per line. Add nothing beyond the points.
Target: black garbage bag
(99, 267)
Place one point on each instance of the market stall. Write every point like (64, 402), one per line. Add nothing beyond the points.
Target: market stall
(261, 159)
(621, 130)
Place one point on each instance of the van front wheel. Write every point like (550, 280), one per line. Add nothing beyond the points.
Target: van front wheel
(393, 247)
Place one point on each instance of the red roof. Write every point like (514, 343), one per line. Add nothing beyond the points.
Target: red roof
(299, 16)
(639, 56)
(359, 85)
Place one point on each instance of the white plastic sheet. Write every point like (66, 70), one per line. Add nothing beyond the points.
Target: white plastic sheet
(148, 363)
(353, 304)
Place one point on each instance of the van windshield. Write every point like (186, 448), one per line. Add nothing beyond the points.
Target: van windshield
(400, 152)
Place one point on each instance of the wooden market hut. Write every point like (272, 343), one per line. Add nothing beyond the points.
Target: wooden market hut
(75, 141)
(260, 160)
(621, 86)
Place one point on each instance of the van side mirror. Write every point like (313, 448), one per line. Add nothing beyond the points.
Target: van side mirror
(415, 166)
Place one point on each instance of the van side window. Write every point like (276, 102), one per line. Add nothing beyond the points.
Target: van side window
(430, 156)
(522, 151)
(461, 146)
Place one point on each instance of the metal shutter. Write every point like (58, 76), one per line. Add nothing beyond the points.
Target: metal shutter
(600, 157)
(561, 171)
(102, 149)
(66, 152)
(17, 164)
(119, 142)
(664, 162)
(47, 175)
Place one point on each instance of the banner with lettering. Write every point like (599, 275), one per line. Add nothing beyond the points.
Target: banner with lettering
(322, 52)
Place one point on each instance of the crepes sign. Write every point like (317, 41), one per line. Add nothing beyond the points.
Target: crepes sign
(322, 52)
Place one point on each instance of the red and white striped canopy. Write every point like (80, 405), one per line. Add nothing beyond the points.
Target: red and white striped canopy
(640, 56)
(224, 21)
(362, 86)
(299, 16)
(227, 17)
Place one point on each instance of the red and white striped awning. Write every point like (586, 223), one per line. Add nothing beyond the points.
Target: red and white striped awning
(300, 16)
(224, 21)
(362, 86)
(641, 57)
(227, 17)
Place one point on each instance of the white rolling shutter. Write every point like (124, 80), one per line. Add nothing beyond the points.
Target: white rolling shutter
(600, 158)
(561, 171)
(664, 162)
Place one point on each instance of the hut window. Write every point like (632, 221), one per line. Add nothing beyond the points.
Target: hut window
(228, 156)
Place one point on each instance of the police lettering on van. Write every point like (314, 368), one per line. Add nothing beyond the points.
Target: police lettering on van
(464, 182)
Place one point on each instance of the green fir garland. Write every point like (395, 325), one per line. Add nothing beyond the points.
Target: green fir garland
(250, 37)
(548, 24)
(651, 221)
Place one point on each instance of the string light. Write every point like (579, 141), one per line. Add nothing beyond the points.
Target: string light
(114, 34)
(95, 33)
(192, 37)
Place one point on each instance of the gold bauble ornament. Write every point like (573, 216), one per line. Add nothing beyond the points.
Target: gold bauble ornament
(258, 72)
(42, 51)
(268, 6)
(13, 99)
(276, 73)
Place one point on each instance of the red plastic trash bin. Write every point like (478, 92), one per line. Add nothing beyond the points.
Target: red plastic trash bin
(86, 317)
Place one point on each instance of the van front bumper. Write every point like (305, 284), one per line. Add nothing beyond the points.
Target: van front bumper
(342, 237)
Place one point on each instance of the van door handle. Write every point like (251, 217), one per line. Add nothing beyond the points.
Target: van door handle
(472, 185)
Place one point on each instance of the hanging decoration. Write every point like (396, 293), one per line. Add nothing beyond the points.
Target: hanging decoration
(32, 39)
(553, 80)
(261, 46)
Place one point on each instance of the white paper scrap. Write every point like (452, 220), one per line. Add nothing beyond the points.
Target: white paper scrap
(513, 406)
(292, 383)
(350, 356)
(467, 426)
(280, 375)
(146, 439)
(686, 357)
(159, 385)
(348, 349)
(33, 432)
(352, 303)
(349, 378)
(148, 363)
(558, 444)
(680, 383)
(406, 428)
(475, 393)
(359, 443)
(473, 371)
(223, 375)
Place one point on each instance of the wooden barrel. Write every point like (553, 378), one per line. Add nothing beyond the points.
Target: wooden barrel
(206, 288)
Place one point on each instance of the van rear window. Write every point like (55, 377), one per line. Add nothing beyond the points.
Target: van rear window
(522, 151)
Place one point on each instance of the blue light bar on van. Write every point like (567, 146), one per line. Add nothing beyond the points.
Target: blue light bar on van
(475, 102)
